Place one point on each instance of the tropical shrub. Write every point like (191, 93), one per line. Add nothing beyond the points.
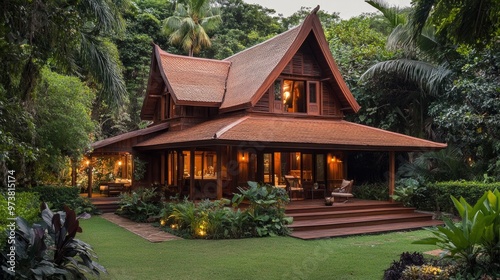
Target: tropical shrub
(49, 250)
(267, 208)
(408, 191)
(371, 191)
(265, 215)
(475, 240)
(57, 197)
(26, 206)
(426, 271)
(436, 196)
(142, 205)
(406, 259)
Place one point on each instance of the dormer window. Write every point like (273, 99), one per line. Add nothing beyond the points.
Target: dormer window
(297, 96)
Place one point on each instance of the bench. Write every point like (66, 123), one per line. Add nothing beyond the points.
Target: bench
(112, 188)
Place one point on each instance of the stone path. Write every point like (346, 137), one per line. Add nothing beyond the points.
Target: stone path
(144, 230)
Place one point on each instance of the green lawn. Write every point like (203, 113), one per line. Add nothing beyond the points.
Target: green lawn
(127, 256)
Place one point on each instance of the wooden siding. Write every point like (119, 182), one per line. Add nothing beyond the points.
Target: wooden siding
(263, 104)
(303, 63)
(330, 103)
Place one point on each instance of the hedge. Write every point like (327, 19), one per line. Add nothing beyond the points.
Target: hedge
(437, 195)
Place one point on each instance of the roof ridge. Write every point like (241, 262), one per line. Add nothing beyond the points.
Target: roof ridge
(223, 130)
(263, 42)
(163, 52)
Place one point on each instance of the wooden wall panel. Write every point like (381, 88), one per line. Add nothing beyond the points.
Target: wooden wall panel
(263, 104)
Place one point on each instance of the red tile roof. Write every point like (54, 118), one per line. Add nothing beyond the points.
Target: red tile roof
(240, 80)
(128, 135)
(251, 67)
(194, 79)
(298, 132)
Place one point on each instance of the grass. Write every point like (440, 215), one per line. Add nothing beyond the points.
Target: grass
(128, 256)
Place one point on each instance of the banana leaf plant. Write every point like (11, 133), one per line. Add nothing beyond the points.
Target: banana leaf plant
(476, 238)
(74, 255)
(49, 250)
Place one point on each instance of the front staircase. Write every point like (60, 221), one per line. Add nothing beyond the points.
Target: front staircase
(106, 204)
(313, 220)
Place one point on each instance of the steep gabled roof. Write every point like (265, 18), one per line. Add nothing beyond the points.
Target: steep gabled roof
(255, 69)
(190, 81)
(240, 81)
(194, 80)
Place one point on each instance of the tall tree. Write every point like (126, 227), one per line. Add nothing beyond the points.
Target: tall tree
(66, 34)
(190, 23)
(472, 22)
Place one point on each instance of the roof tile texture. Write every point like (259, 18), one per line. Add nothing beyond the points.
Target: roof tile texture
(195, 79)
(251, 67)
(273, 129)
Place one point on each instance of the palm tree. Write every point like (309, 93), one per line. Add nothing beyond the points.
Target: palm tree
(421, 63)
(473, 22)
(68, 37)
(190, 23)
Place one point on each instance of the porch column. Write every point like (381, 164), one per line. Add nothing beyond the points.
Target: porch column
(191, 171)
(89, 176)
(219, 172)
(260, 167)
(392, 174)
(73, 172)
(162, 168)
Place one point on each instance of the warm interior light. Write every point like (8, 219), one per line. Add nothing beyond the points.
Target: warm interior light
(286, 95)
(87, 162)
(120, 163)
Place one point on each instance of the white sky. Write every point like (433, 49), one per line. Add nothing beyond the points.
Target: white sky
(346, 8)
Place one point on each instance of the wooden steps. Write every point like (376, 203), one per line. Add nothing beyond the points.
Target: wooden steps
(106, 204)
(313, 220)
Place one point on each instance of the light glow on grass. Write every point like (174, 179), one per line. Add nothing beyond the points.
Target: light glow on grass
(128, 256)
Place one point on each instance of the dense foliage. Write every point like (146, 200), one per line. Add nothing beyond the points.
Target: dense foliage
(49, 250)
(474, 241)
(436, 196)
(141, 205)
(264, 216)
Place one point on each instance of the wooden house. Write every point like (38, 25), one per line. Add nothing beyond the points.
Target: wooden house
(272, 113)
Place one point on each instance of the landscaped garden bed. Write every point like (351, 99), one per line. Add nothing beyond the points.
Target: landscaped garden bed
(263, 213)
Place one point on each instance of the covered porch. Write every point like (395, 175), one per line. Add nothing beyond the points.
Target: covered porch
(306, 156)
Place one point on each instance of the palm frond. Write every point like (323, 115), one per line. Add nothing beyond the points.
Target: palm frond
(102, 12)
(400, 38)
(428, 77)
(419, 15)
(104, 68)
(427, 41)
(391, 13)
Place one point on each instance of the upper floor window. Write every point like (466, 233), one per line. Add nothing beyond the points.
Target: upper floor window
(297, 96)
(294, 96)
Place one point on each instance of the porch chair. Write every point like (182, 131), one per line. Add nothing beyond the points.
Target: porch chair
(293, 187)
(344, 191)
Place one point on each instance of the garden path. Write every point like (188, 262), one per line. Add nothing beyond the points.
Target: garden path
(144, 230)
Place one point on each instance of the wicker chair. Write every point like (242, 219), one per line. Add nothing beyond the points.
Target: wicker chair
(344, 191)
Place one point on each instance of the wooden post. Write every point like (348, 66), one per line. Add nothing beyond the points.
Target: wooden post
(89, 176)
(73, 172)
(219, 172)
(191, 172)
(162, 168)
(392, 174)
